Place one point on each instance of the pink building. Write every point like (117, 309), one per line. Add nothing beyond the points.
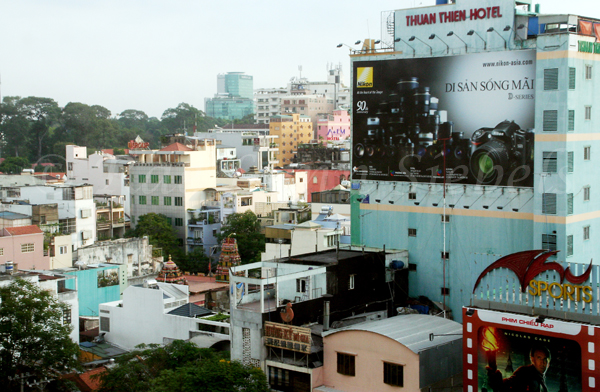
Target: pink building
(24, 246)
(393, 354)
(335, 127)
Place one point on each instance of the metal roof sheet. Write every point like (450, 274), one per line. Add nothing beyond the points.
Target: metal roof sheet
(411, 330)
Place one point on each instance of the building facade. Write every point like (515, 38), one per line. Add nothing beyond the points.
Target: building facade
(334, 127)
(290, 130)
(518, 135)
(234, 98)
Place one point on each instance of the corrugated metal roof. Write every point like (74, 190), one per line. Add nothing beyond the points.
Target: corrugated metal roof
(13, 215)
(191, 310)
(411, 330)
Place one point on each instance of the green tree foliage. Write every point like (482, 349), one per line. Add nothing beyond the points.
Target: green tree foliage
(194, 262)
(182, 118)
(14, 165)
(160, 233)
(33, 338)
(250, 241)
(181, 366)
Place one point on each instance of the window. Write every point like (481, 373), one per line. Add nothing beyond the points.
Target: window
(586, 233)
(549, 203)
(549, 161)
(142, 199)
(279, 377)
(570, 245)
(588, 72)
(63, 250)
(315, 179)
(572, 74)
(142, 178)
(587, 152)
(570, 160)
(155, 200)
(445, 218)
(178, 180)
(550, 121)
(70, 166)
(301, 179)
(351, 280)
(445, 255)
(167, 179)
(571, 121)
(586, 193)
(569, 204)
(549, 241)
(106, 182)
(393, 374)
(178, 221)
(588, 112)
(105, 324)
(301, 285)
(412, 232)
(412, 196)
(345, 364)
(43, 219)
(1, 251)
(154, 178)
(27, 248)
(167, 200)
(551, 79)
(332, 240)
(178, 201)
(67, 316)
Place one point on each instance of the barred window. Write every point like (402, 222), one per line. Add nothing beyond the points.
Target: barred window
(178, 201)
(588, 72)
(393, 374)
(549, 162)
(346, 364)
(570, 161)
(571, 121)
(549, 203)
(549, 241)
(412, 232)
(551, 79)
(569, 204)
(586, 233)
(586, 193)
(550, 121)
(570, 245)
(105, 324)
(587, 153)
(588, 112)
(572, 74)
(27, 248)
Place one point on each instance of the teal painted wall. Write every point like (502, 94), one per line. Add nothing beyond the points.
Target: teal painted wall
(88, 292)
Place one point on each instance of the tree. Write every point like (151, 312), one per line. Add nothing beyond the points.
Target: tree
(41, 113)
(180, 366)
(159, 231)
(33, 338)
(182, 118)
(14, 165)
(250, 241)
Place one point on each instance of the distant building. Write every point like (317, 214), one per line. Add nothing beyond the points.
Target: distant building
(24, 246)
(311, 105)
(234, 98)
(268, 103)
(334, 127)
(291, 130)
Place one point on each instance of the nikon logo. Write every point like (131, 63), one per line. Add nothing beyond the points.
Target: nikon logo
(364, 77)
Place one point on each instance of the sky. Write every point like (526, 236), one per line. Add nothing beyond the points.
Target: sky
(151, 55)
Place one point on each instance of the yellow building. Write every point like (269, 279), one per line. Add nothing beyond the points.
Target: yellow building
(291, 130)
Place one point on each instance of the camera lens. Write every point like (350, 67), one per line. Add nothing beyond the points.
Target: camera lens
(369, 150)
(359, 150)
(489, 162)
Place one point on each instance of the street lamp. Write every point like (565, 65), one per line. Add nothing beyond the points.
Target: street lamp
(430, 48)
(433, 36)
(471, 32)
(451, 33)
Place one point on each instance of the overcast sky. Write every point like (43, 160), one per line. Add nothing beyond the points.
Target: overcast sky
(151, 55)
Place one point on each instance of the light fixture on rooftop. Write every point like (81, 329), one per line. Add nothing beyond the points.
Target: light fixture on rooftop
(433, 36)
(451, 34)
(357, 42)
(430, 48)
(491, 29)
(405, 43)
(471, 32)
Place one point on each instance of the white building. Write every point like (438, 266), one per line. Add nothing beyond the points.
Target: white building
(55, 284)
(76, 208)
(107, 174)
(171, 181)
(252, 147)
(268, 103)
(159, 313)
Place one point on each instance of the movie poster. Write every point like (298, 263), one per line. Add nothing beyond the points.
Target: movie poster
(463, 119)
(509, 360)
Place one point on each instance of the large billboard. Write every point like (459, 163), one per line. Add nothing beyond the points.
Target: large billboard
(512, 352)
(460, 119)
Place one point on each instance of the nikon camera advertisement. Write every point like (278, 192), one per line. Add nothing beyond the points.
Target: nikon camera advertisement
(472, 115)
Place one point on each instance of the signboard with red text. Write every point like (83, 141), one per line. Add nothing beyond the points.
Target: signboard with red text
(512, 352)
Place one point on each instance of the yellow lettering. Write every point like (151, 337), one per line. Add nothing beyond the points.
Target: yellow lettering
(568, 291)
(551, 287)
(587, 294)
(533, 290)
(542, 286)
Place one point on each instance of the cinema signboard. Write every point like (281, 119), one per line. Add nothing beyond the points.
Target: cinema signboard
(509, 351)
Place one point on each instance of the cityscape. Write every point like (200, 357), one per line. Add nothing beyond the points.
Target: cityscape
(420, 217)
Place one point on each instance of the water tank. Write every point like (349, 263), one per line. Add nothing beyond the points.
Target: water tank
(397, 264)
(9, 267)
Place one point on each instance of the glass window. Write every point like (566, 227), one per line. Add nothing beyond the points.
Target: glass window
(346, 364)
(155, 200)
(549, 241)
(178, 180)
(178, 201)
(167, 179)
(178, 221)
(142, 178)
(142, 199)
(588, 72)
(167, 200)
(393, 374)
(586, 233)
(154, 178)
(588, 112)
(586, 193)
(550, 120)
(587, 153)
(549, 161)
(27, 248)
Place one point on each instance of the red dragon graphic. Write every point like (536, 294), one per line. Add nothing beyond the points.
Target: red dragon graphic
(530, 263)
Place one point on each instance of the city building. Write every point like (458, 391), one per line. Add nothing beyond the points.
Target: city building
(234, 98)
(166, 314)
(515, 138)
(24, 247)
(291, 130)
(172, 180)
(268, 103)
(313, 106)
(253, 147)
(334, 127)
(108, 174)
